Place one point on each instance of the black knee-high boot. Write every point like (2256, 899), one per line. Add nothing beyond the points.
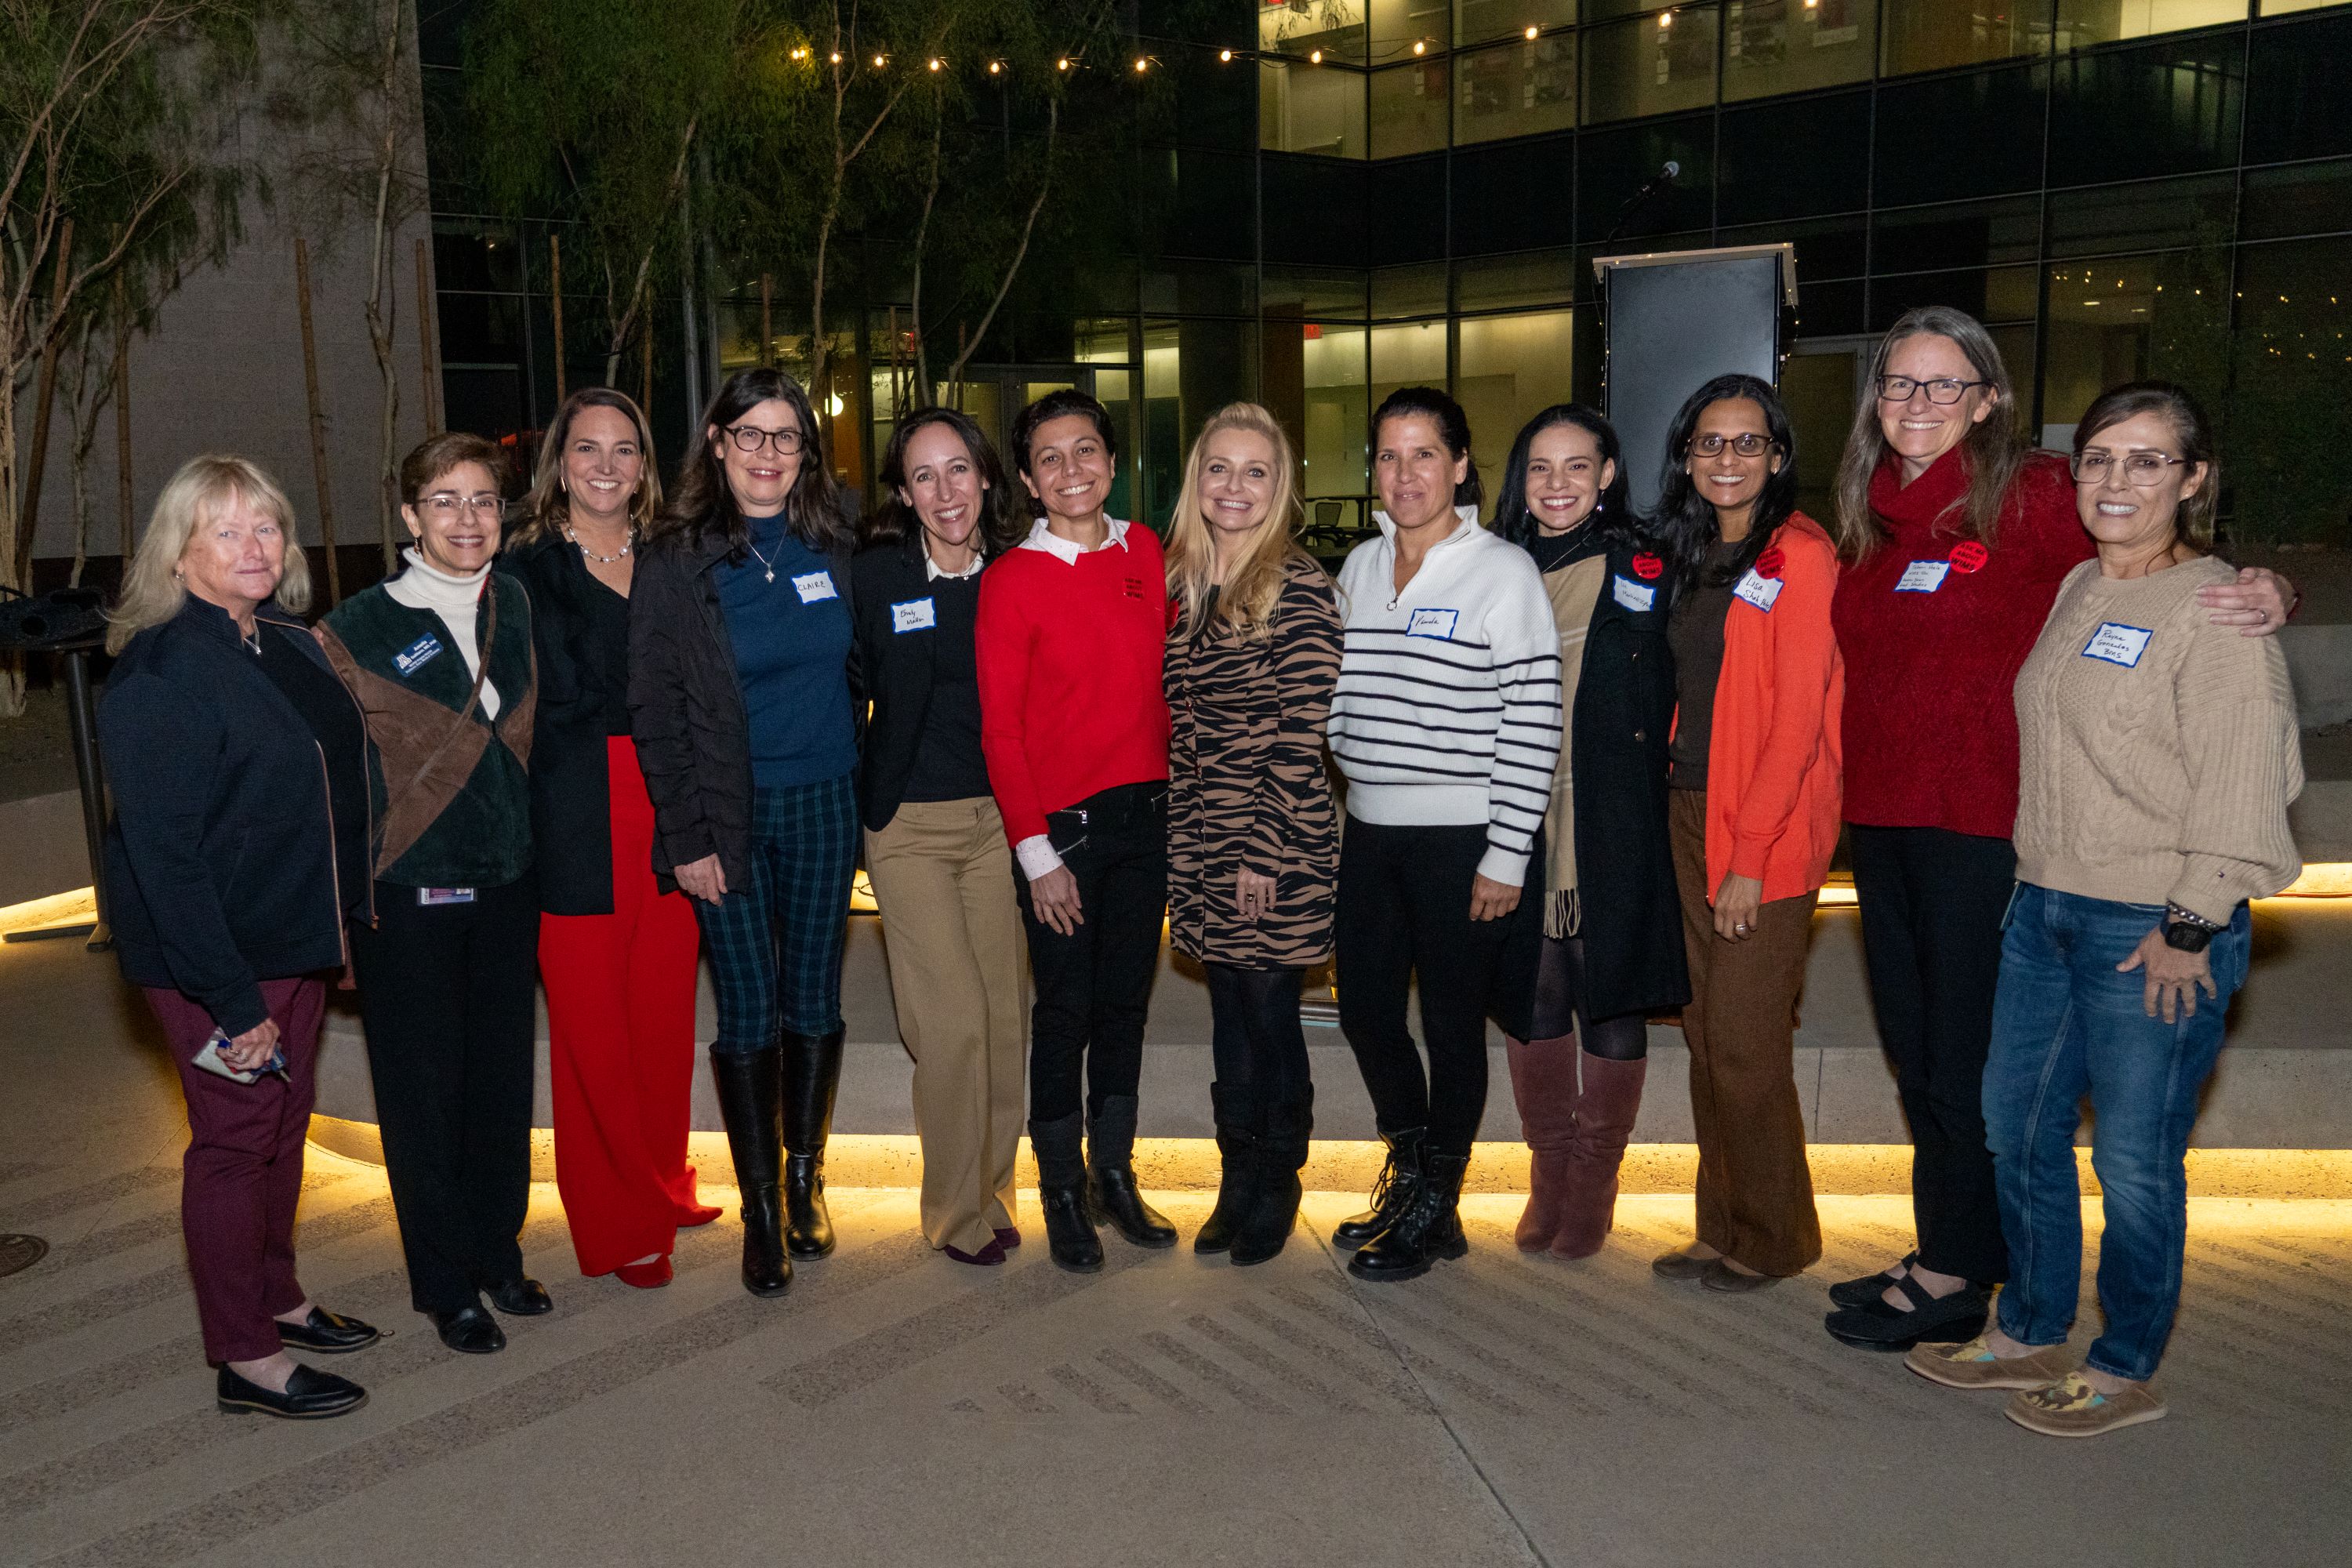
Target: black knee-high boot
(1061, 1192)
(811, 1078)
(749, 1099)
(1236, 1110)
(1275, 1190)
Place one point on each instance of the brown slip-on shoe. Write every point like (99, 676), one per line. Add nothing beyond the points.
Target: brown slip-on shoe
(1678, 1265)
(1973, 1364)
(1719, 1275)
(2071, 1407)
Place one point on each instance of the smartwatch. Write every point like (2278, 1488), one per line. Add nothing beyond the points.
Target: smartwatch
(2185, 931)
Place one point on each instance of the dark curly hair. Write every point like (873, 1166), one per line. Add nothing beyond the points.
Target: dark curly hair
(702, 504)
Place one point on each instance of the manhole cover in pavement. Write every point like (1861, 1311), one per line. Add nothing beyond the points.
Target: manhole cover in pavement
(18, 1253)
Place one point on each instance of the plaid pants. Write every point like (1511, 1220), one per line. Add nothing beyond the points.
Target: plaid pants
(775, 946)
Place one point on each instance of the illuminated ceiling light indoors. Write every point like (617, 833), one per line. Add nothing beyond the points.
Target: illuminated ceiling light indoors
(1533, 31)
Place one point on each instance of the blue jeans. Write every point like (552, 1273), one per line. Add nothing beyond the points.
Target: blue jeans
(2067, 1023)
(775, 946)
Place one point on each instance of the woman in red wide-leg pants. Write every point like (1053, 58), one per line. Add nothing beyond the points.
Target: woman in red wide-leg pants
(616, 953)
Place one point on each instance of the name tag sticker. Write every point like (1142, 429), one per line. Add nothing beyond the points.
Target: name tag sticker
(1631, 594)
(815, 585)
(1758, 590)
(417, 655)
(1922, 577)
(913, 615)
(1432, 623)
(427, 898)
(2117, 643)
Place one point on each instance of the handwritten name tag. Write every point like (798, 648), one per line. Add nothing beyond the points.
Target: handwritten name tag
(913, 615)
(1433, 623)
(2117, 643)
(1922, 577)
(1758, 590)
(1636, 596)
(815, 585)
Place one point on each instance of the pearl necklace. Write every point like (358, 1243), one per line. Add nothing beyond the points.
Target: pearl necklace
(601, 560)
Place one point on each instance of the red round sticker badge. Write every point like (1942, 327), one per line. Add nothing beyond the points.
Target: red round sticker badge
(1647, 566)
(1969, 557)
(1769, 563)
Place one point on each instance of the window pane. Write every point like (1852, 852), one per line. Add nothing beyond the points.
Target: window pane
(1793, 160)
(1409, 222)
(1989, 294)
(1967, 234)
(1930, 148)
(2299, 101)
(1158, 456)
(1933, 34)
(2143, 216)
(2117, 320)
(1408, 290)
(1613, 165)
(1511, 368)
(2306, 198)
(1651, 65)
(2082, 22)
(1819, 388)
(1828, 310)
(1832, 248)
(1409, 107)
(1407, 356)
(2288, 415)
(1315, 291)
(1397, 25)
(1514, 197)
(1332, 375)
(1533, 277)
(1313, 209)
(1475, 21)
(1336, 27)
(2281, 7)
(1515, 90)
(2127, 114)
(1786, 46)
(1310, 109)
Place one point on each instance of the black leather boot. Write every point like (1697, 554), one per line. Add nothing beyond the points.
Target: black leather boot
(811, 1078)
(750, 1092)
(1399, 1179)
(1272, 1211)
(1237, 1175)
(1111, 1192)
(1430, 1228)
(1062, 1193)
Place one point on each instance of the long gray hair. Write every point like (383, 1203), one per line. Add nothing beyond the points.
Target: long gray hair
(1992, 449)
(203, 487)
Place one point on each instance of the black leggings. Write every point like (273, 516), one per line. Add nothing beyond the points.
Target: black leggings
(1258, 1045)
(1560, 1002)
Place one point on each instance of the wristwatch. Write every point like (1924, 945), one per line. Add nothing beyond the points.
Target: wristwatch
(2186, 929)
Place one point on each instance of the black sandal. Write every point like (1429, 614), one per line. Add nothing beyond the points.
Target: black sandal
(1875, 1326)
(1870, 1286)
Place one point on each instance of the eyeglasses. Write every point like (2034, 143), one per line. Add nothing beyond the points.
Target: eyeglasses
(1943, 389)
(1748, 445)
(446, 505)
(2142, 470)
(751, 439)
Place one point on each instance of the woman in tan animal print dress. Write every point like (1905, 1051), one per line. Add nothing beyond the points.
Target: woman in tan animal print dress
(1253, 841)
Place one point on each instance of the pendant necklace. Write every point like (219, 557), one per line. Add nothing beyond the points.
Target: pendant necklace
(601, 560)
(763, 559)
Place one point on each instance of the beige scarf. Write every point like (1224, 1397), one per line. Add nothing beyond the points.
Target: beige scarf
(1575, 589)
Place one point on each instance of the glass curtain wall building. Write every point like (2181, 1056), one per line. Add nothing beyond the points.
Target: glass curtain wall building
(1333, 198)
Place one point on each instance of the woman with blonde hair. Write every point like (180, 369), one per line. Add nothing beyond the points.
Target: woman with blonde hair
(1252, 660)
(239, 848)
(616, 953)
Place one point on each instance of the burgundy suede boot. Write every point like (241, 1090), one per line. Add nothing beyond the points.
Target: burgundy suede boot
(1605, 1112)
(1543, 1082)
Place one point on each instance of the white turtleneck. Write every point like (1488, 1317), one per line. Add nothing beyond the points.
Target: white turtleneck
(457, 600)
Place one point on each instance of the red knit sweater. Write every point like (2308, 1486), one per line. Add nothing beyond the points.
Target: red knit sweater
(1930, 719)
(1070, 700)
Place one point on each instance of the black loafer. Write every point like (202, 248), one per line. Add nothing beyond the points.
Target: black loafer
(469, 1330)
(1863, 1291)
(519, 1298)
(1936, 1319)
(311, 1395)
(329, 1333)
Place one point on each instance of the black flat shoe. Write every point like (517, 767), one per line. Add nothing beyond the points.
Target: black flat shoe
(1935, 1319)
(519, 1298)
(311, 1395)
(329, 1333)
(1863, 1291)
(469, 1330)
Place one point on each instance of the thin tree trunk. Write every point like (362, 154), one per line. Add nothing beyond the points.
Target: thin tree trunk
(640, 291)
(318, 424)
(767, 320)
(383, 302)
(28, 521)
(646, 402)
(922, 398)
(556, 304)
(427, 375)
(85, 407)
(1021, 252)
(689, 332)
(123, 490)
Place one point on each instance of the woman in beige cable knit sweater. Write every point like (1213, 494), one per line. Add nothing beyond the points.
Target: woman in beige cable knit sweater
(2158, 754)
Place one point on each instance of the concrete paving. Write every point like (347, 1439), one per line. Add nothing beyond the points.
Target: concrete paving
(897, 1408)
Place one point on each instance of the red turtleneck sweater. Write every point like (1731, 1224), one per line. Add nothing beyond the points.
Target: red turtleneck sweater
(1930, 717)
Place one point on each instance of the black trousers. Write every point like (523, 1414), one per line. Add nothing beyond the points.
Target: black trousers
(1094, 987)
(1932, 902)
(1404, 913)
(1256, 1041)
(445, 992)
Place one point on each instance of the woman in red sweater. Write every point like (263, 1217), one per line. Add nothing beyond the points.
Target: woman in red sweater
(1957, 536)
(1752, 812)
(1075, 728)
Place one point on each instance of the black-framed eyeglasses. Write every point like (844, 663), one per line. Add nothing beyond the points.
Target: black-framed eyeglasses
(1749, 445)
(2142, 470)
(1943, 389)
(752, 438)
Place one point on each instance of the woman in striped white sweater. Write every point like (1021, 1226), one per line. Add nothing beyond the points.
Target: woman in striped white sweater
(1446, 725)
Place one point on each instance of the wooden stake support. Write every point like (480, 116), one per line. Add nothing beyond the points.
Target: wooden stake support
(28, 521)
(555, 299)
(427, 359)
(318, 422)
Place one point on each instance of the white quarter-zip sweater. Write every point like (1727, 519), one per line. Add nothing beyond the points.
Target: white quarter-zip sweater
(1448, 708)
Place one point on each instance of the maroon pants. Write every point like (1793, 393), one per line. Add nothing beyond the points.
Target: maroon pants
(244, 1168)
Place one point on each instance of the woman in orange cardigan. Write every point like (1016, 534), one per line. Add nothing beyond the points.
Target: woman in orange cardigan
(1753, 813)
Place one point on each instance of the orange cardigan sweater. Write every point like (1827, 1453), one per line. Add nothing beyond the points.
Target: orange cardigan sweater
(1773, 780)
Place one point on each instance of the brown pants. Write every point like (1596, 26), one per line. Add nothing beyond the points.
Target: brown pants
(1755, 1191)
(942, 876)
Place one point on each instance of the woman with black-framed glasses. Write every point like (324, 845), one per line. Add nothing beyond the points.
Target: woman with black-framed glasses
(740, 639)
(1956, 536)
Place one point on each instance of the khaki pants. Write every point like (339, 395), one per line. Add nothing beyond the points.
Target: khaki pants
(942, 876)
(1755, 1190)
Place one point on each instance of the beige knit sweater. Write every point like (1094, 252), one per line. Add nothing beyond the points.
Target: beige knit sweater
(2157, 751)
